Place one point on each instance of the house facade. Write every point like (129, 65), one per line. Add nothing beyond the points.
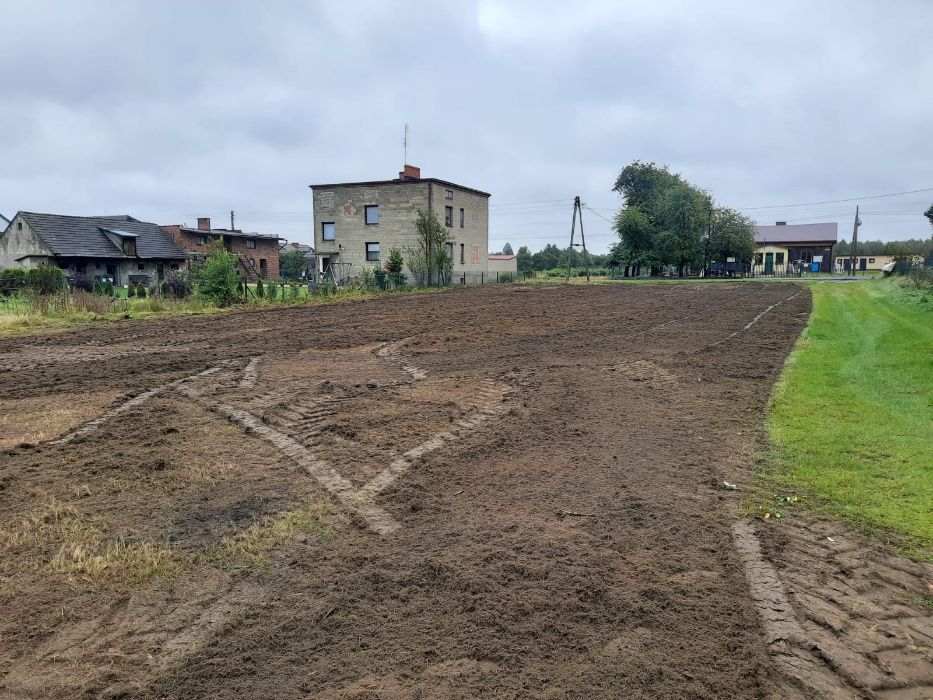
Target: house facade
(501, 263)
(119, 248)
(871, 262)
(257, 253)
(357, 223)
(781, 246)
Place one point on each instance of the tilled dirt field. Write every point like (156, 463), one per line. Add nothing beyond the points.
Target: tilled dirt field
(511, 493)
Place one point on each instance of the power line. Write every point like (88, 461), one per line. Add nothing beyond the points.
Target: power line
(837, 201)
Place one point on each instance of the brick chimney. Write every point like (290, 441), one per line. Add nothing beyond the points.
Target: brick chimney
(410, 173)
(204, 223)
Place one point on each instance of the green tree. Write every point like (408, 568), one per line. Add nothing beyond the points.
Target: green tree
(525, 259)
(733, 236)
(430, 261)
(507, 249)
(394, 266)
(292, 263)
(929, 214)
(217, 280)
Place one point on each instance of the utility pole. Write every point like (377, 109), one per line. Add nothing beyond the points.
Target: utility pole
(854, 250)
(577, 211)
(231, 221)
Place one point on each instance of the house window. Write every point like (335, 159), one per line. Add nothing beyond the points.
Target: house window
(201, 240)
(372, 252)
(450, 251)
(779, 258)
(449, 216)
(250, 243)
(871, 260)
(461, 217)
(174, 266)
(448, 194)
(372, 214)
(759, 258)
(329, 231)
(263, 266)
(111, 270)
(129, 246)
(19, 225)
(141, 266)
(462, 246)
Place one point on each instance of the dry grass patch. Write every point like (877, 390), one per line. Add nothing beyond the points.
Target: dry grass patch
(57, 538)
(269, 533)
(42, 418)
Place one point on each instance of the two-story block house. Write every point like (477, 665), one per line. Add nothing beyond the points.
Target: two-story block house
(357, 223)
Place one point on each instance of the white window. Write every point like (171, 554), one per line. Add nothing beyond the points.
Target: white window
(329, 231)
(372, 214)
(372, 252)
(448, 194)
(250, 243)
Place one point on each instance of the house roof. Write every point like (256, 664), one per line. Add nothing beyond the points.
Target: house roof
(375, 183)
(797, 233)
(500, 256)
(86, 236)
(4, 222)
(232, 234)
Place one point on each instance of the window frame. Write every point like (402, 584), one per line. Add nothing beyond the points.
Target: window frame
(463, 253)
(462, 216)
(368, 252)
(324, 225)
(448, 194)
(251, 243)
(449, 217)
(366, 209)
(200, 240)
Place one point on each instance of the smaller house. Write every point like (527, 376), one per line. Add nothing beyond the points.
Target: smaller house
(310, 257)
(119, 248)
(781, 247)
(257, 253)
(870, 262)
(499, 263)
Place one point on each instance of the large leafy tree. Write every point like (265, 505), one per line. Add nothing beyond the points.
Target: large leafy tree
(507, 249)
(430, 260)
(732, 235)
(525, 259)
(663, 220)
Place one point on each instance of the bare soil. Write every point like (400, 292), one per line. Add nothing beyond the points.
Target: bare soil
(511, 492)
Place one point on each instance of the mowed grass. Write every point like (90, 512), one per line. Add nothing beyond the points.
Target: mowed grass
(852, 417)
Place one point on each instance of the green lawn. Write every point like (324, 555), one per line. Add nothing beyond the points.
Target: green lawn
(852, 417)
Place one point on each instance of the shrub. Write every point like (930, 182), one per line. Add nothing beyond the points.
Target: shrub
(45, 279)
(260, 289)
(108, 288)
(217, 280)
(141, 292)
(131, 291)
(293, 289)
(13, 279)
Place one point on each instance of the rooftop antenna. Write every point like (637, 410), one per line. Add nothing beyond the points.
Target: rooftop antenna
(405, 146)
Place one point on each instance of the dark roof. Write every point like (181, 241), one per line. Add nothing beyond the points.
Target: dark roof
(85, 237)
(373, 183)
(4, 222)
(797, 233)
(232, 234)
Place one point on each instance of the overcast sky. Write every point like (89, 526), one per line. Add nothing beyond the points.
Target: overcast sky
(172, 110)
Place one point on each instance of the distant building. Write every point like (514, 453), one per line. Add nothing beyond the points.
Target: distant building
(120, 248)
(501, 263)
(871, 262)
(310, 256)
(356, 223)
(257, 253)
(782, 246)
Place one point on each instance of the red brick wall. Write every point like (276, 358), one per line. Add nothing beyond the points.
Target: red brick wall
(265, 247)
